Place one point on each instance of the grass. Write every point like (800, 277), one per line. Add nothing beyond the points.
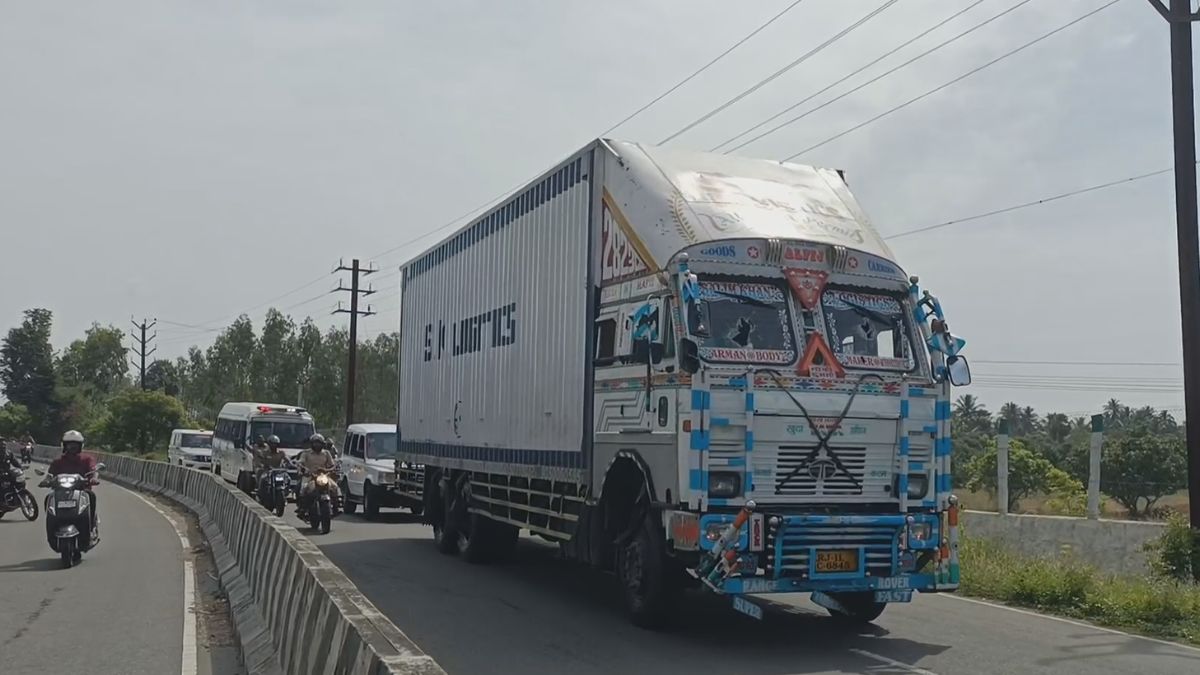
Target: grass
(1069, 587)
(1042, 505)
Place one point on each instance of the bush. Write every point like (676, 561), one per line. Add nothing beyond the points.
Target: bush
(139, 421)
(1067, 586)
(1171, 554)
(1028, 473)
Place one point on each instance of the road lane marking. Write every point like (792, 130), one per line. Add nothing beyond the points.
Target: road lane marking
(1080, 624)
(188, 660)
(908, 668)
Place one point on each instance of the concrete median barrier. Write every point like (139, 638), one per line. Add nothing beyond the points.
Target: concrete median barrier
(295, 611)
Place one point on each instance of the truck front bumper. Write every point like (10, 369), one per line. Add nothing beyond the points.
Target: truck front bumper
(890, 555)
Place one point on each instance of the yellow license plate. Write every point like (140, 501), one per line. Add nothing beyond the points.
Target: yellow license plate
(837, 561)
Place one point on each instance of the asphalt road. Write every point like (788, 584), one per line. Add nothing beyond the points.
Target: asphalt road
(119, 611)
(538, 614)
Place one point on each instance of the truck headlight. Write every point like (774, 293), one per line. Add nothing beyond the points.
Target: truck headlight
(920, 531)
(918, 485)
(386, 478)
(724, 484)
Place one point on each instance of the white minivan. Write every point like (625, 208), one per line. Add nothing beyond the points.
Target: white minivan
(191, 448)
(239, 425)
(371, 474)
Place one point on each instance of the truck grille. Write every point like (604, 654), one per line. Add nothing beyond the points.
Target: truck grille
(802, 483)
(795, 543)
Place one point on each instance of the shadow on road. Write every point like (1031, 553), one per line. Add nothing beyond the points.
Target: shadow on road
(541, 614)
(35, 565)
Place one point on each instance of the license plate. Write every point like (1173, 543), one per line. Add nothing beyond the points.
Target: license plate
(66, 504)
(845, 560)
(746, 607)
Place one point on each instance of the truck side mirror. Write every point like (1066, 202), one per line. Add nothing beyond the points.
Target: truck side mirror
(689, 356)
(958, 370)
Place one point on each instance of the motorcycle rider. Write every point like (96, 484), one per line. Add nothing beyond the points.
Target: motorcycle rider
(73, 460)
(266, 457)
(313, 459)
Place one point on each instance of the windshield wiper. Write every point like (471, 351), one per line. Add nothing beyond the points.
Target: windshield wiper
(753, 302)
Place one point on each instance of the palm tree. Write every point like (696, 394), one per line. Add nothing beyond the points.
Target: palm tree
(1058, 426)
(1030, 422)
(1012, 413)
(1115, 413)
(1080, 423)
(971, 416)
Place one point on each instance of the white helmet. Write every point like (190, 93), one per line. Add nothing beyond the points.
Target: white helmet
(72, 436)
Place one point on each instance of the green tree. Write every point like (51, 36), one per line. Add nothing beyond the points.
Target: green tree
(1028, 473)
(14, 420)
(27, 371)
(163, 375)
(1137, 470)
(97, 364)
(1058, 427)
(139, 421)
(971, 416)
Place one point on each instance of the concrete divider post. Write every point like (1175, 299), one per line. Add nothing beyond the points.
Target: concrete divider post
(1093, 490)
(1002, 440)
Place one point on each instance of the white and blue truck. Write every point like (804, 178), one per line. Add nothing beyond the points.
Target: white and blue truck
(691, 370)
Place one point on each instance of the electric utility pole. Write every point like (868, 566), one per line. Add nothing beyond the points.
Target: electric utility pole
(1180, 17)
(141, 342)
(351, 373)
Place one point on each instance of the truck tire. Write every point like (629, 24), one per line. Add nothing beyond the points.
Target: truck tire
(445, 534)
(861, 608)
(647, 583)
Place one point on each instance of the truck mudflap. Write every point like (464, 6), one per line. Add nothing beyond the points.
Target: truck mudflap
(891, 555)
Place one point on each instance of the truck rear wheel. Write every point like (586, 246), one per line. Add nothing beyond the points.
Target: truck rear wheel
(647, 583)
(445, 534)
(861, 608)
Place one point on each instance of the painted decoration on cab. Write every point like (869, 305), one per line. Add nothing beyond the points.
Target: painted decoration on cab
(806, 285)
(619, 258)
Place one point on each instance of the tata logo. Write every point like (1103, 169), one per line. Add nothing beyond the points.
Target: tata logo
(882, 268)
(719, 252)
(822, 468)
(804, 254)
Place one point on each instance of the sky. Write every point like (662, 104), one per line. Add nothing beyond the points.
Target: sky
(191, 161)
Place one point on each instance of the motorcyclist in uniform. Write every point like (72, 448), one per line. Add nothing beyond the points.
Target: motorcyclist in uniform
(266, 457)
(313, 459)
(73, 460)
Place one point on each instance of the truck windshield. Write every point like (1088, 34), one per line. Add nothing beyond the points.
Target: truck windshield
(195, 441)
(748, 322)
(291, 434)
(381, 446)
(867, 330)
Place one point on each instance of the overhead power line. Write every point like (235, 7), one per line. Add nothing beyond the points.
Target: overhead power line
(869, 82)
(1025, 205)
(956, 80)
(770, 78)
(701, 69)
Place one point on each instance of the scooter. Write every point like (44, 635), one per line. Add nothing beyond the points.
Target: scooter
(69, 528)
(14, 496)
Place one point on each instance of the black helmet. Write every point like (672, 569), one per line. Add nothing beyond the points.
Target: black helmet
(273, 441)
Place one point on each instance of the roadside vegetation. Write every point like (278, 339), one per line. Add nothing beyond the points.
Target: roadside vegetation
(1164, 604)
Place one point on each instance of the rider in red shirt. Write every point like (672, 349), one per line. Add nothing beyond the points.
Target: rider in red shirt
(74, 461)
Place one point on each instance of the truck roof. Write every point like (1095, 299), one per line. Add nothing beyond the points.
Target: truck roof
(679, 198)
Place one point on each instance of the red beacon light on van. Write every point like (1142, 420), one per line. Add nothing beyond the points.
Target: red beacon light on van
(268, 409)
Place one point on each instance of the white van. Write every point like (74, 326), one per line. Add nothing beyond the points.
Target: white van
(239, 425)
(191, 448)
(372, 474)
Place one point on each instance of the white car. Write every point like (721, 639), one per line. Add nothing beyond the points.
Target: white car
(370, 475)
(191, 448)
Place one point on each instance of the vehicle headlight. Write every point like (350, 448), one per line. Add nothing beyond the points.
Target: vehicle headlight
(918, 485)
(322, 480)
(712, 531)
(920, 531)
(724, 484)
(386, 477)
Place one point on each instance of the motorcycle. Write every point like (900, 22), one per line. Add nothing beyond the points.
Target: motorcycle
(319, 510)
(69, 528)
(274, 488)
(27, 454)
(14, 496)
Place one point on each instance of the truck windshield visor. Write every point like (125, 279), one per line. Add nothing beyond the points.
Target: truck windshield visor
(748, 322)
(867, 331)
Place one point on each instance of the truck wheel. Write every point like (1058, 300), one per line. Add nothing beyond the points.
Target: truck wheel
(370, 504)
(861, 608)
(649, 588)
(445, 534)
(348, 503)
